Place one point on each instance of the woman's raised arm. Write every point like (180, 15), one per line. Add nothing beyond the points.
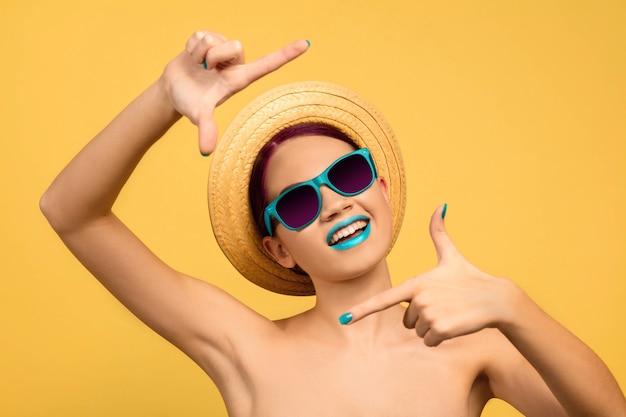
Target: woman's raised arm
(78, 203)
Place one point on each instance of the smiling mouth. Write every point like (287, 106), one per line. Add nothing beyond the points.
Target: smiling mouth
(345, 233)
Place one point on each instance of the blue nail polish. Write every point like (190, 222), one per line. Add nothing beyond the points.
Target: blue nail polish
(204, 64)
(204, 154)
(443, 212)
(345, 318)
(308, 42)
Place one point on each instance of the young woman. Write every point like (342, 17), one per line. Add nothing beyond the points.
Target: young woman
(331, 202)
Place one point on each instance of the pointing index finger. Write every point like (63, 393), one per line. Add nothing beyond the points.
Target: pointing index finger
(379, 302)
(273, 61)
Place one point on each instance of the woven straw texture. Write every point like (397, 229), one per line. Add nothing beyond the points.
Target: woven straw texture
(252, 128)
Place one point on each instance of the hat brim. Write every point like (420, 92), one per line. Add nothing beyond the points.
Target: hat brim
(303, 102)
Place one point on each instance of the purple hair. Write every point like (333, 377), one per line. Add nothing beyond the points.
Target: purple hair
(256, 191)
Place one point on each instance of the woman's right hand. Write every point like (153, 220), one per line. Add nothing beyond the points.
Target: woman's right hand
(209, 71)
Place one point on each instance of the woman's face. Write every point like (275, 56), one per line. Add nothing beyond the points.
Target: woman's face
(365, 217)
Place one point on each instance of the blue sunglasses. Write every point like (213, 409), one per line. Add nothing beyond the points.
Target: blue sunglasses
(299, 205)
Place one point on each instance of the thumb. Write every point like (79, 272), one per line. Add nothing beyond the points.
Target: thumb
(443, 244)
(207, 135)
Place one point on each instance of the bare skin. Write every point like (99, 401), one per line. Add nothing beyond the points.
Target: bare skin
(465, 337)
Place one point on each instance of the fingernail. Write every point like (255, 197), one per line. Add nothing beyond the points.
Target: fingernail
(308, 42)
(345, 318)
(204, 64)
(204, 154)
(443, 212)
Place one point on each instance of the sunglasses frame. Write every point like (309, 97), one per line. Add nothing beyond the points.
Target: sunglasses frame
(315, 183)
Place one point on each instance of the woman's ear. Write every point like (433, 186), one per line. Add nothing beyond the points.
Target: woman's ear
(274, 247)
(384, 189)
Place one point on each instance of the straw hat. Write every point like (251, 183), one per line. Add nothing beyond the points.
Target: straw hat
(288, 105)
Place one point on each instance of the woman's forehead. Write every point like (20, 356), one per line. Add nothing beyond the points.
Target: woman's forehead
(302, 158)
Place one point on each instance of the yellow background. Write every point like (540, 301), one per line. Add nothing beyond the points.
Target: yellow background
(514, 113)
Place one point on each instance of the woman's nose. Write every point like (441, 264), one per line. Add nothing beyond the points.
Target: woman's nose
(333, 203)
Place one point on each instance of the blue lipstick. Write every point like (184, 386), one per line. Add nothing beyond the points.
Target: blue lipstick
(350, 242)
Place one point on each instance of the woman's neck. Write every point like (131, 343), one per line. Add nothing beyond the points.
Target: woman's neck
(334, 298)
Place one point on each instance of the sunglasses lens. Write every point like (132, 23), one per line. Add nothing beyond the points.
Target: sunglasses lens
(351, 175)
(298, 207)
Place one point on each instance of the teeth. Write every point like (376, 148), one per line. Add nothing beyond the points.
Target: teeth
(347, 231)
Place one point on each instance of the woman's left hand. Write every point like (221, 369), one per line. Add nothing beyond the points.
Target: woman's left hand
(453, 299)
